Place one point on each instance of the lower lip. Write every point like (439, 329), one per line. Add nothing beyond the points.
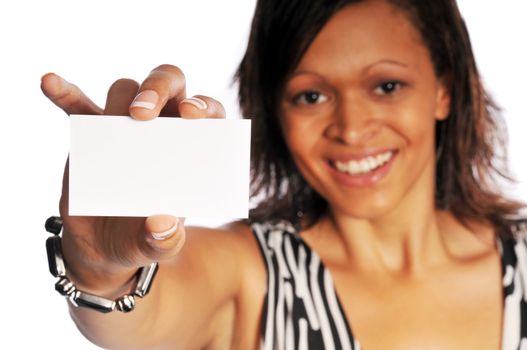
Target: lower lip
(366, 179)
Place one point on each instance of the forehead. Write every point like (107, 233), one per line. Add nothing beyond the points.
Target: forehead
(366, 32)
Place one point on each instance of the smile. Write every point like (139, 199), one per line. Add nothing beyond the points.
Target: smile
(365, 165)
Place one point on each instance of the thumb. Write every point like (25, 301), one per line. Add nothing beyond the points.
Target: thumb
(165, 236)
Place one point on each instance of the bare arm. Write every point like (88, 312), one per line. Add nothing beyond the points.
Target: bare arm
(189, 296)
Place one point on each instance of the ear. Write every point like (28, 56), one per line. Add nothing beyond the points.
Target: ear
(443, 99)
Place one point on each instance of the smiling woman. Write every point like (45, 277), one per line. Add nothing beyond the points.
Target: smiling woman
(380, 148)
(375, 149)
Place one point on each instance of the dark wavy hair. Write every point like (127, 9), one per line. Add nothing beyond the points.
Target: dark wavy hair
(470, 143)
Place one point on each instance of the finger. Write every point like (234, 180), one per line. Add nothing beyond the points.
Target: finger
(120, 96)
(201, 107)
(162, 90)
(165, 236)
(67, 96)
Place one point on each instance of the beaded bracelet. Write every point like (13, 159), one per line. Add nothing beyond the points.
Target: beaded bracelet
(77, 297)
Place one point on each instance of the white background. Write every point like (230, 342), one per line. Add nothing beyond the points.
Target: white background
(92, 43)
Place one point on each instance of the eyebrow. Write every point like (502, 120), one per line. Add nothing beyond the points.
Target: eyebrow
(382, 61)
(387, 61)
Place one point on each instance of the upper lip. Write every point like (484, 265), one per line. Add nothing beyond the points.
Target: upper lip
(360, 155)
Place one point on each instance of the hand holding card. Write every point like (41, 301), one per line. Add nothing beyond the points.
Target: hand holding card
(134, 176)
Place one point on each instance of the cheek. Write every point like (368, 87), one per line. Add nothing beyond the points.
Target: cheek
(304, 138)
(300, 134)
(415, 121)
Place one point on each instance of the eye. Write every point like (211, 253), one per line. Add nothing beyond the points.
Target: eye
(388, 87)
(309, 98)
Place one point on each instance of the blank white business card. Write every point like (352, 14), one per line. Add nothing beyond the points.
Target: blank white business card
(187, 168)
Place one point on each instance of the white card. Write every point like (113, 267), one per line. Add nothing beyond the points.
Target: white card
(186, 168)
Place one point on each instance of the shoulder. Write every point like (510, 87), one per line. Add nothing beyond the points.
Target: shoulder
(239, 243)
(232, 238)
(233, 244)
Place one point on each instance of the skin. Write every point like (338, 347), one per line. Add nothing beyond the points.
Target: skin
(401, 268)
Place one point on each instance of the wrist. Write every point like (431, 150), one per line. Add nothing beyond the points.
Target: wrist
(81, 297)
(95, 275)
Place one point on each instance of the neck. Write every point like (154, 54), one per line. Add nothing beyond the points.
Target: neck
(405, 240)
(401, 244)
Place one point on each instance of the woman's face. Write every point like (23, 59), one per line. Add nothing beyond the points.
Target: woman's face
(359, 112)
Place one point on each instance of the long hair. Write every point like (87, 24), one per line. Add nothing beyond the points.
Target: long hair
(470, 143)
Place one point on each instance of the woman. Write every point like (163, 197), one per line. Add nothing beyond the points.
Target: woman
(381, 227)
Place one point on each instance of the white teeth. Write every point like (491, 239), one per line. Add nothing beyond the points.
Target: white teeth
(341, 166)
(353, 167)
(365, 165)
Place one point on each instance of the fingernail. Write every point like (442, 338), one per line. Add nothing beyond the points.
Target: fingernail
(196, 102)
(145, 99)
(56, 80)
(159, 236)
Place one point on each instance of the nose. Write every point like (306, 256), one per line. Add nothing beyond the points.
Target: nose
(353, 122)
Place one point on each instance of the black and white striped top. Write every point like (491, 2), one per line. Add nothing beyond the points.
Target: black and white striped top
(302, 310)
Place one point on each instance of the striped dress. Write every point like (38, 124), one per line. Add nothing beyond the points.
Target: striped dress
(302, 310)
